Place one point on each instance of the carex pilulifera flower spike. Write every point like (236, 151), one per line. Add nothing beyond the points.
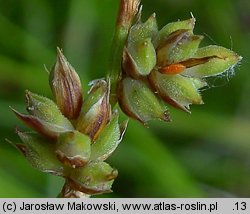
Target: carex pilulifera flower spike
(167, 65)
(72, 137)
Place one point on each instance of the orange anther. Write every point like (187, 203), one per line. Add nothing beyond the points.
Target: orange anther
(172, 69)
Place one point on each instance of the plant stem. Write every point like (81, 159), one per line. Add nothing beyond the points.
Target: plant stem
(127, 11)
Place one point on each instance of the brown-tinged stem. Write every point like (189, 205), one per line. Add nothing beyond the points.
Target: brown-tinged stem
(126, 14)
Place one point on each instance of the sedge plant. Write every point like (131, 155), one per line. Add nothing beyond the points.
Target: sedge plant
(150, 69)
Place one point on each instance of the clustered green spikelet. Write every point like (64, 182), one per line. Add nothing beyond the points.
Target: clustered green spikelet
(73, 136)
(167, 65)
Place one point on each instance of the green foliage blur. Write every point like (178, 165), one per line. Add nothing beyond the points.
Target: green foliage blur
(205, 154)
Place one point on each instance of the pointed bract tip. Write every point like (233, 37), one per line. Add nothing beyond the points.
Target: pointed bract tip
(192, 16)
(17, 113)
(59, 51)
(46, 69)
(19, 146)
(66, 87)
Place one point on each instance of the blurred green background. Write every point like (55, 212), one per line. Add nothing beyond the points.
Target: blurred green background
(205, 154)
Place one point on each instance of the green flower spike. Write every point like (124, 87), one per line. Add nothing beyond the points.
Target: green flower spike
(73, 138)
(174, 70)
